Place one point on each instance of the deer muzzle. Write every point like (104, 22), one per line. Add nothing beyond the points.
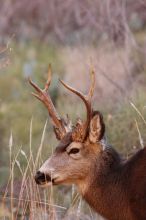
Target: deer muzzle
(42, 178)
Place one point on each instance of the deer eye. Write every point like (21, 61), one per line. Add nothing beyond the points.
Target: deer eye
(74, 151)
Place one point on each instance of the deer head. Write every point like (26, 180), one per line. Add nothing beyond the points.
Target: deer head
(79, 146)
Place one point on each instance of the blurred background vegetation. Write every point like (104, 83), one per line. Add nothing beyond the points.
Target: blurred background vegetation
(69, 34)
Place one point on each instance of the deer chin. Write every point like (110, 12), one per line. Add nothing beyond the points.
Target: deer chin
(57, 181)
(45, 184)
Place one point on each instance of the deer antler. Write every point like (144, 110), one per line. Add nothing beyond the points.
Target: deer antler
(59, 125)
(81, 129)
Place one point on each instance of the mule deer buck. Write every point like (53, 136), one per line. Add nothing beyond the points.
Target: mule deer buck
(113, 187)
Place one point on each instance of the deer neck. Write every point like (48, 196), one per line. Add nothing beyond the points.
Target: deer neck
(103, 190)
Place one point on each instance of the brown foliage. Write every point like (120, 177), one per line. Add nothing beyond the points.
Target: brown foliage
(68, 18)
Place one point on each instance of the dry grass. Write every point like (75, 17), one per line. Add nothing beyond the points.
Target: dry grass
(23, 195)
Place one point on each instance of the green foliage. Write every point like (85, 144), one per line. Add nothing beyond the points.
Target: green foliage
(17, 106)
(123, 121)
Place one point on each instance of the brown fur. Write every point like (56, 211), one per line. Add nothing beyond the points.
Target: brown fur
(117, 189)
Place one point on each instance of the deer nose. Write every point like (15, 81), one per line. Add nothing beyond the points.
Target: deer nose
(41, 178)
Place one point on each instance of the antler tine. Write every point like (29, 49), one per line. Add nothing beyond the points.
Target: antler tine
(92, 86)
(34, 85)
(49, 78)
(85, 98)
(45, 98)
(80, 94)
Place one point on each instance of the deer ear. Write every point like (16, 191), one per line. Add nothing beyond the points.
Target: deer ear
(97, 128)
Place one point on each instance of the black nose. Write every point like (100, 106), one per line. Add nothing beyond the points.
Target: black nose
(41, 178)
